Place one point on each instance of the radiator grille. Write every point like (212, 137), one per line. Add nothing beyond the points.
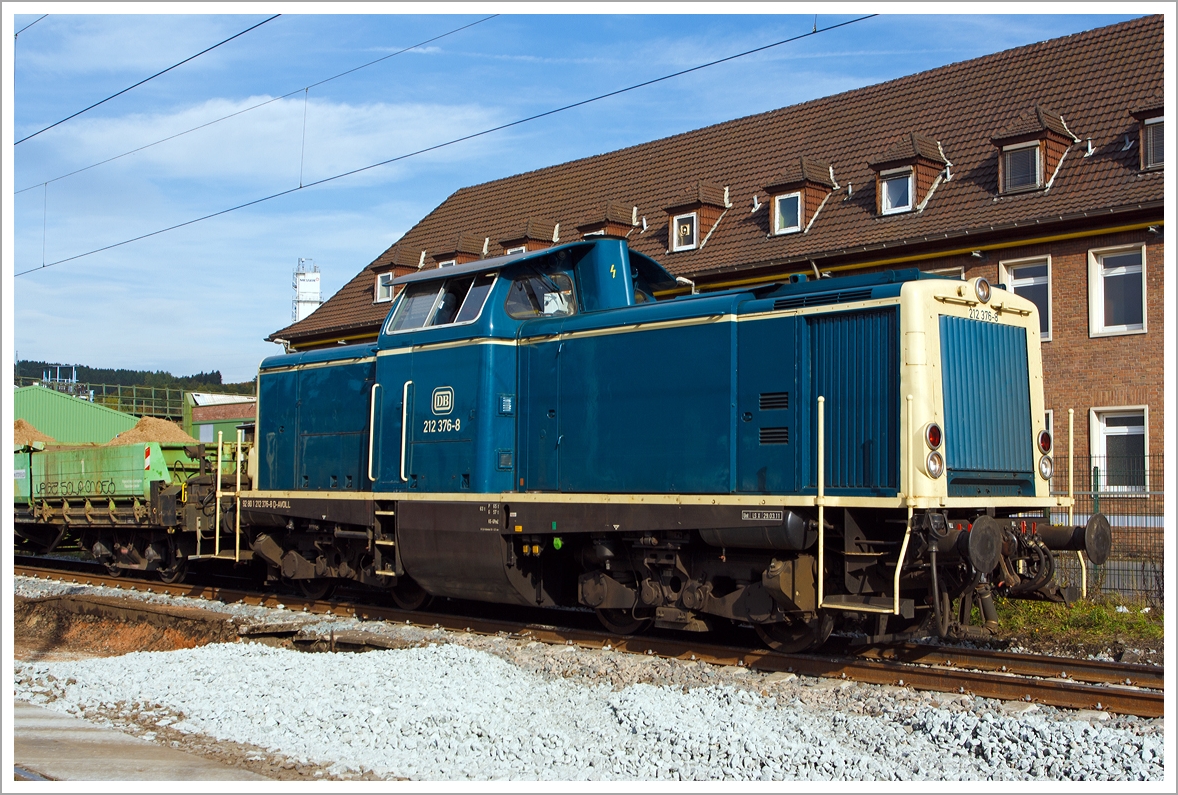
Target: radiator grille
(821, 299)
(987, 401)
(775, 436)
(774, 400)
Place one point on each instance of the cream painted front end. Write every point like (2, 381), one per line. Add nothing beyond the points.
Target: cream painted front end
(922, 303)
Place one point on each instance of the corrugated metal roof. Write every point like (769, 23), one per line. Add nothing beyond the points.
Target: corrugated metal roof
(68, 419)
(218, 398)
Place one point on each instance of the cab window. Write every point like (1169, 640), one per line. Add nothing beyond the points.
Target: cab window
(541, 295)
(431, 304)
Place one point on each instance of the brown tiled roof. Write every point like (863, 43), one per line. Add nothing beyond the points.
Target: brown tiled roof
(799, 170)
(906, 149)
(1035, 119)
(464, 243)
(617, 212)
(699, 192)
(1151, 107)
(225, 411)
(533, 229)
(1092, 78)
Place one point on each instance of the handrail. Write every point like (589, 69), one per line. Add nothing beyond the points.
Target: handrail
(237, 499)
(820, 501)
(371, 426)
(217, 514)
(1072, 497)
(404, 426)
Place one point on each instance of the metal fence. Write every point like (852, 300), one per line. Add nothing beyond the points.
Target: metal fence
(142, 401)
(1129, 491)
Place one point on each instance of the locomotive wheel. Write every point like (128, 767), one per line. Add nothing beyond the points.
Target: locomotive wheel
(789, 637)
(175, 574)
(408, 595)
(315, 589)
(623, 622)
(113, 570)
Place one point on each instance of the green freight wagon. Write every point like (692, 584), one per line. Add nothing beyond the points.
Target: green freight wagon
(142, 506)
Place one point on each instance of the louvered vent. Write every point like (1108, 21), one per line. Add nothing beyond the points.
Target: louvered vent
(774, 400)
(775, 436)
(842, 296)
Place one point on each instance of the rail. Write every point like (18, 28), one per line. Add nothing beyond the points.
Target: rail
(1060, 682)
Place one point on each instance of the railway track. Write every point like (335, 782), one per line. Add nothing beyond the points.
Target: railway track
(1055, 681)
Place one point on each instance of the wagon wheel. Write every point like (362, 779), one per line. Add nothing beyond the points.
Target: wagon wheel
(174, 574)
(113, 570)
(314, 589)
(798, 634)
(408, 595)
(624, 622)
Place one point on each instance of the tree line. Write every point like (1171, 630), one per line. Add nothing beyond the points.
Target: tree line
(198, 382)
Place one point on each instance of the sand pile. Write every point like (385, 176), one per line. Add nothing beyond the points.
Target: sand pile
(151, 429)
(24, 433)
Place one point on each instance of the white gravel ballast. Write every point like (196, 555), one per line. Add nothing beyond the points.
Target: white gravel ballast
(452, 712)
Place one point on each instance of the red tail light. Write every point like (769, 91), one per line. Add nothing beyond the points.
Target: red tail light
(1044, 441)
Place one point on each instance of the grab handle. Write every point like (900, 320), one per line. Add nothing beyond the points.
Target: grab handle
(371, 427)
(404, 426)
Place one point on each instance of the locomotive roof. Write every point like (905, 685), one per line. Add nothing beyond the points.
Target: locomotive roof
(651, 271)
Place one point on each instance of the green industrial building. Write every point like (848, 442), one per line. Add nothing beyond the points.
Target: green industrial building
(68, 419)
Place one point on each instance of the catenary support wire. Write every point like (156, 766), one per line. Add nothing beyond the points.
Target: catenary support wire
(262, 104)
(451, 142)
(146, 79)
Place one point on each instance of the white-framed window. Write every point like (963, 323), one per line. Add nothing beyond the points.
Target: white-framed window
(1031, 279)
(787, 213)
(956, 272)
(1116, 291)
(1020, 167)
(1152, 152)
(1049, 424)
(517, 249)
(684, 231)
(447, 263)
(895, 191)
(384, 288)
(1120, 447)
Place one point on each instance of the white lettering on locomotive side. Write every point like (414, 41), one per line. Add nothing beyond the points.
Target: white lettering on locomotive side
(443, 400)
(762, 516)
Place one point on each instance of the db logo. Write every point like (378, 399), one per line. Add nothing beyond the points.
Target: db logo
(443, 400)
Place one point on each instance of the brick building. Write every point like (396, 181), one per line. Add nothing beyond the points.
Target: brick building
(1040, 168)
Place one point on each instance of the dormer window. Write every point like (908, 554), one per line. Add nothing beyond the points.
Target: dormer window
(799, 192)
(685, 228)
(447, 263)
(516, 250)
(1020, 167)
(787, 213)
(908, 173)
(1152, 132)
(384, 288)
(895, 191)
(1031, 150)
(693, 214)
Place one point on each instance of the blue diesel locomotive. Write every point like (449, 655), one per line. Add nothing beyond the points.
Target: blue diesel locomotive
(540, 429)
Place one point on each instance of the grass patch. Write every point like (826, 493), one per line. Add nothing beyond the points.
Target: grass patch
(1094, 622)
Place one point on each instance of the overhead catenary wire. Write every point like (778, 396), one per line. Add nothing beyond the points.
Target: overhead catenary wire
(146, 79)
(451, 142)
(28, 26)
(262, 104)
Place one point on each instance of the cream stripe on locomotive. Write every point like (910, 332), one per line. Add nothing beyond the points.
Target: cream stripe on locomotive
(793, 500)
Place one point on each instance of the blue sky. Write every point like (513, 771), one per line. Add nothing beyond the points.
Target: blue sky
(203, 297)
